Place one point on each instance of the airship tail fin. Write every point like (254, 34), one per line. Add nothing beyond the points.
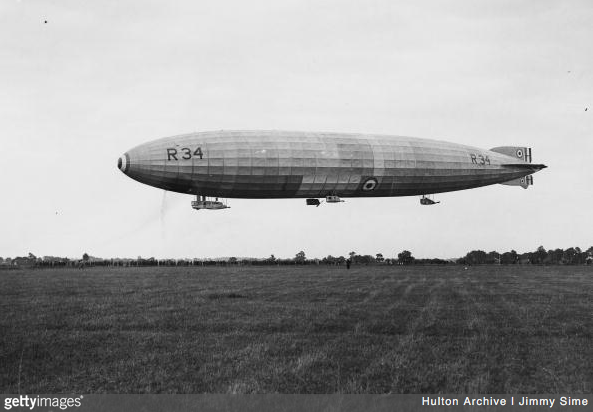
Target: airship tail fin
(523, 153)
(524, 182)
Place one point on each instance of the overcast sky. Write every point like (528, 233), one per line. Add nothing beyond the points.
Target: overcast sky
(103, 76)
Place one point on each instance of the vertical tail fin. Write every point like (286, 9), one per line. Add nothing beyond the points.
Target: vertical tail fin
(523, 153)
(524, 182)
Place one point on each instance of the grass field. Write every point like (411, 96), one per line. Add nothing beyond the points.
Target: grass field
(491, 329)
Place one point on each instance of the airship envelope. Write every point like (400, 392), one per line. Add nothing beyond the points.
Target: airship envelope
(284, 164)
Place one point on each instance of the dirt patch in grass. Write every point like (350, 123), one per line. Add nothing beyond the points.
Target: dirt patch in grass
(231, 295)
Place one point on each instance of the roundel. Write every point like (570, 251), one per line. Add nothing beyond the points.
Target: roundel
(522, 180)
(369, 184)
(519, 153)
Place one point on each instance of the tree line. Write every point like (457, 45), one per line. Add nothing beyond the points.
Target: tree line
(541, 256)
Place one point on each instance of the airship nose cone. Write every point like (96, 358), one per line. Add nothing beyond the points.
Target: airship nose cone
(123, 163)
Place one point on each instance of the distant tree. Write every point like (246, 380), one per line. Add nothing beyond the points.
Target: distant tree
(555, 256)
(272, 258)
(476, 257)
(352, 254)
(509, 258)
(493, 257)
(435, 261)
(569, 256)
(540, 255)
(233, 260)
(575, 256)
(85, 257)
(1, 259)
(363, 259)
(526, 257)
(329, 260)
(405, 257)
(300, 257)
(581, 256)
(379, 257)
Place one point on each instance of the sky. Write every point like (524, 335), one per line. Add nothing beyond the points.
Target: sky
(101, 77)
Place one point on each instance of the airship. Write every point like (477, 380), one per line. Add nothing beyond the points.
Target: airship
(319, 167)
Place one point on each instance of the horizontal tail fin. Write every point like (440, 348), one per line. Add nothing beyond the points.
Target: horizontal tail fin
(529, 166)
(524, 182)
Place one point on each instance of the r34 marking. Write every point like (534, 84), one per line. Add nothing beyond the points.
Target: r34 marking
(186, 153)
(479, 159)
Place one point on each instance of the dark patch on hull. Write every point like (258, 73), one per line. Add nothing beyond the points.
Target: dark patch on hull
(277, 188)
